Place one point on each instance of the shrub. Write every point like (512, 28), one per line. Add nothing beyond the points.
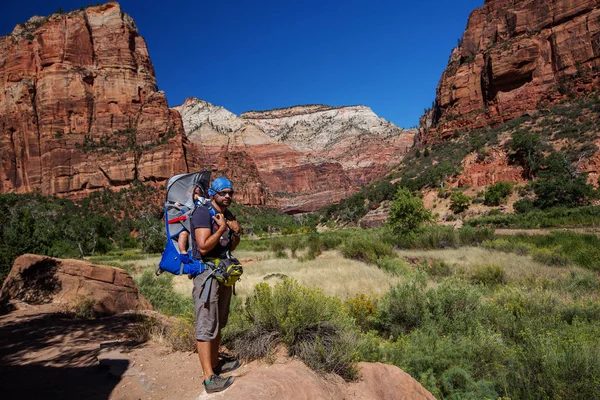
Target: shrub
(363, 309)
(393, 265)
(159, 291)
(402, 309)
(439, 236)
(84, 307)
(367, 249)
(314, 327)
(508, 246)
(459, 202)
(181, 334)
(436, 267)
(523, 206)
(559, 185)
(552, 257)
(407, 212)
(497, 193)
(489, 275)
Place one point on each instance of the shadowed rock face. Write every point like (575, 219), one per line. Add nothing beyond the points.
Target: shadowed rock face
(39, 280)
(298, 158)
(515, 54)
(80, 108)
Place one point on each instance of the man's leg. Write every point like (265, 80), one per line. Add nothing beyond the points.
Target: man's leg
(204, 353)
(214, 350)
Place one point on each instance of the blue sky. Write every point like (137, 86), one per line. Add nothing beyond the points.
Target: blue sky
(258, 55)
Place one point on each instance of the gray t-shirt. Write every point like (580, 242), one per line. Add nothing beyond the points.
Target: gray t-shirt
(201, 218)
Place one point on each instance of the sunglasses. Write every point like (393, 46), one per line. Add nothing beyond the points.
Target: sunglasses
(224, 193)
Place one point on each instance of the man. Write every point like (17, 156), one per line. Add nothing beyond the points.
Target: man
(213, 237)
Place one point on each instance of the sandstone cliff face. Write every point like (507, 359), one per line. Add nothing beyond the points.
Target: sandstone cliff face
(79, 107)
(515, 54)
(299, 158)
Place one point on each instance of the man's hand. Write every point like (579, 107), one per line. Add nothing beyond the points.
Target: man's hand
(234, 226)
(220, 220)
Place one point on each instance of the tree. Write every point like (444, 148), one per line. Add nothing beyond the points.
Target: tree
(459, 202)
(497, 193)
(527, 150)
(560, 185)
(407, 212)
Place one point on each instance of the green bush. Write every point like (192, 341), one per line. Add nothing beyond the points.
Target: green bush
(489, 275)
(159, 292)
(557, 248)
(497, 193)
(402, 309)
(559, 184)
(523, 206)
(393, 265)
(508, 246)
(552, 257)
(407, 212)
(367, 249)
(314, 327)
(459, 202)
(549, 218)
(514, 342)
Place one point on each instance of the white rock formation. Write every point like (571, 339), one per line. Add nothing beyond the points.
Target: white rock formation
(197, 113)
(318, 127)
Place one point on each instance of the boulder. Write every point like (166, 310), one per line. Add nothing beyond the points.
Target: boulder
(293, 380)
(38, 279)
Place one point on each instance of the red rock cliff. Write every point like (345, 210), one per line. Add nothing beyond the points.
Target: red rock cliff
(515, 54)
(79, 107)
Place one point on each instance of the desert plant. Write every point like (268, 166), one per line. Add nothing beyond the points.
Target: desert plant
(314, 327)
(84, 307)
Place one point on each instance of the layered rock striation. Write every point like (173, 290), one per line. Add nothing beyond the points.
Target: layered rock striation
(515, 55)
(80, 108)
(298, 158)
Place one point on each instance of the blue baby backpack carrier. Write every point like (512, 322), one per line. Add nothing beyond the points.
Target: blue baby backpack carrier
(179, 206)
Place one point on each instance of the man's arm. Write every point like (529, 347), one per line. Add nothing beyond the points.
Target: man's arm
(234, 226)
(207, 241)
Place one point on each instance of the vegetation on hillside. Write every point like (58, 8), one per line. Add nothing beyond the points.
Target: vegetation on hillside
(550, 144)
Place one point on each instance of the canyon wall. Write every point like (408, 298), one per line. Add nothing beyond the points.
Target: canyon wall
(298, 158)
(80, 109)
(514, 55)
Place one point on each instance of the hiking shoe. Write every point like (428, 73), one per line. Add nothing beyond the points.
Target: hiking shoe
(217, 384)
(224, 366)
(226, 356)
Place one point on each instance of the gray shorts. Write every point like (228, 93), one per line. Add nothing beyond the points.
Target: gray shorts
(212, 315)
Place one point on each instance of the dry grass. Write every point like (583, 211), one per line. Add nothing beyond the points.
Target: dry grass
(330, 271)
(517, 267)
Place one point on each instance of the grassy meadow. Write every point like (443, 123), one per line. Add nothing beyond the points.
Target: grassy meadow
(467, 313)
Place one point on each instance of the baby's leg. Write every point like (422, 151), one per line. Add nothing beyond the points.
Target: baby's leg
(182, 242)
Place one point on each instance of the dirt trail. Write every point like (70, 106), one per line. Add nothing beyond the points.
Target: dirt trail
(47, 354)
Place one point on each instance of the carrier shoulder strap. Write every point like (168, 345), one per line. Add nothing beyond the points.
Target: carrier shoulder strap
(197, 204)
(212, 212)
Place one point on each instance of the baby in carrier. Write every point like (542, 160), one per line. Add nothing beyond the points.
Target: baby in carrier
(183, 239)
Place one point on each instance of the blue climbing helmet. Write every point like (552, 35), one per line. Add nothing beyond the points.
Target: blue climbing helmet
(219, 184)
